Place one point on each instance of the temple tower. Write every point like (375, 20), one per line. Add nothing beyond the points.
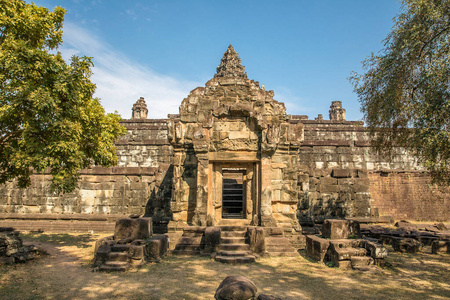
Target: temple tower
(337, 113)
(139, 110)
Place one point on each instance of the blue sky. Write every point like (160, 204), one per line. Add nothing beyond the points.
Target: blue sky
(161, 50)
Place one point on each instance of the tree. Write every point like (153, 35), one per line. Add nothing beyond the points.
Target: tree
(405, 90)
(49, 120)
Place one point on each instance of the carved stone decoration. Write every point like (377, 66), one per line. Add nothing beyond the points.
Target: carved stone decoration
(139, 109)
(233, 124)
(230, 65)
(337, 113)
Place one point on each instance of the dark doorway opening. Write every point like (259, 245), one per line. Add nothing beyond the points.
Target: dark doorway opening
(233, 194)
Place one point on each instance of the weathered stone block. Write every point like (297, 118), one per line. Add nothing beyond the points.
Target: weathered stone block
(157, 247)
(440, 247)
(140, 228)
(212, 239)
(256, 239)
(325, 188)
(341, 173)
(408, 245)
(336, 229)
(316, 247)
(374, 250)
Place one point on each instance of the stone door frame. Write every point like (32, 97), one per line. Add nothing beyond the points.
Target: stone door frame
(251, 168)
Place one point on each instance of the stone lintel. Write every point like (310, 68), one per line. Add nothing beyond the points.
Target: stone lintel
(238, 156)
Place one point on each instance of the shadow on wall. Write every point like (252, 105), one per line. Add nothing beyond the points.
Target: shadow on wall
(158, 205)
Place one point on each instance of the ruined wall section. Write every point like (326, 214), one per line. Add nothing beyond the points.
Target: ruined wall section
(409, 196)
(341, 175)
(137, 185)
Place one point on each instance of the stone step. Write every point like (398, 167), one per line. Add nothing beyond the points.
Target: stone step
(361, 261)
(114, 266)
(343, 243)
(269, 241)
(232, 228)
(117, 256)
(233, 253)
(232, 240)
(189, 247)
(188, 240)
(120, 248)
(186, 252)
(233, 233)
(192, 229)
(137, 262)
(235, 259)
(234, 247)
(347, 253)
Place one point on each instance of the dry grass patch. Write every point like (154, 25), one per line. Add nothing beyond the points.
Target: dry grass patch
(65, 274)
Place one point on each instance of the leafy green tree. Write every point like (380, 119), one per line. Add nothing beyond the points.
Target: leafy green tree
(49, 120)
(405, 89)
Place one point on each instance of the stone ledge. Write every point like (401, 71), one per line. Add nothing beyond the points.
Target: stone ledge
(336, 128)
(120, 171)
(329, 122)
(327, 143)
(368, 220)
(144, 121)
(142, 142)
(63, 217)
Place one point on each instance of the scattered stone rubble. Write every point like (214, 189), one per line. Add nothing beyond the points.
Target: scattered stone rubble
(12, 249)
(341, 245)
(411, 238)
(237, 287)
(132, 245)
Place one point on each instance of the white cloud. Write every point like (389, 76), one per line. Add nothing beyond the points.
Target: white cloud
(294, 104)
(121, 81)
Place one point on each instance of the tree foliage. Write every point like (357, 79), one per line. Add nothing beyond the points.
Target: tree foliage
(405, 89)
(49, 120)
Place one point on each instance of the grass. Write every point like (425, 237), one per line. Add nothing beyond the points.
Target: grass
(66, 274)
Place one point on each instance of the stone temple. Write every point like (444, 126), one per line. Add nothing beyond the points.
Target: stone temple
(233, 156)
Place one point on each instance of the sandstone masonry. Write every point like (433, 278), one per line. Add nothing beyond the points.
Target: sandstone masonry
(233, 156)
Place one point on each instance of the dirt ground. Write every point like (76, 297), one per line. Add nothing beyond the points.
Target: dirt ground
(65, 273)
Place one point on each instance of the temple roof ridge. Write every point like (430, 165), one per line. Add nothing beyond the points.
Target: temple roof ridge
(230, 65)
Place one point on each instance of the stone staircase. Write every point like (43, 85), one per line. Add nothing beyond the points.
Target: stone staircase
(191, 242)
(121, 257)
(233, 246)
(276, 244)
(342, 254)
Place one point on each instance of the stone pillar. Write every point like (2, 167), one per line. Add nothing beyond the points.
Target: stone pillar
(200, 215)
(337, 113)
(266, 193)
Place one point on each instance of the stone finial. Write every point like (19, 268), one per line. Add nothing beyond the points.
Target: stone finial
(337, 113)
(139, 109)
(230, 65)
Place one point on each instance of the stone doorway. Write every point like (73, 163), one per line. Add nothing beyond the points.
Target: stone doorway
(235, 198)
(233, 193)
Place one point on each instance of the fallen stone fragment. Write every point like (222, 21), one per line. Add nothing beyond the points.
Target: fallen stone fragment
(440, 247)
(408, 245)
(236, 287)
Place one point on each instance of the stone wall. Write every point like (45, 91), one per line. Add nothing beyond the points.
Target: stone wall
(409, 195)
(141, 183)
(338, 177)
(294, 169)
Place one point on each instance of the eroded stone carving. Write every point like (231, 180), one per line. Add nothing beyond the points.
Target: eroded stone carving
(140, 109)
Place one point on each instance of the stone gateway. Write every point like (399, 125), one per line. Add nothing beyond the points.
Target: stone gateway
(234, 157)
